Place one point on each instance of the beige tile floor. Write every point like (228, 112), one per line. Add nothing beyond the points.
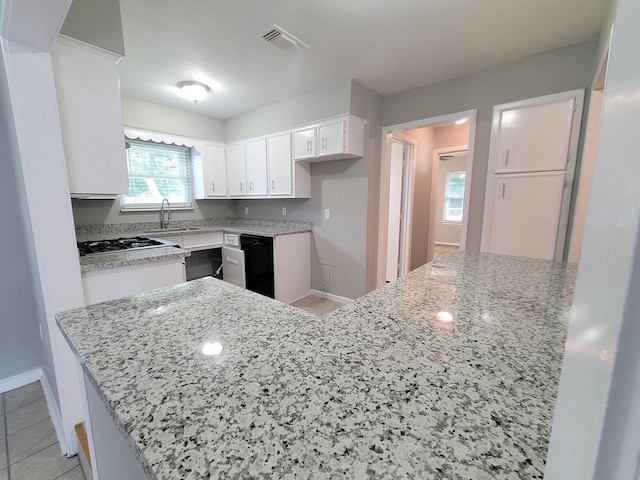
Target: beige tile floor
(316, 305)
(29, 448)
(440, 250)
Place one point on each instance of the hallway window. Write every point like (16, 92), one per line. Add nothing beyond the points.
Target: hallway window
(454, 197)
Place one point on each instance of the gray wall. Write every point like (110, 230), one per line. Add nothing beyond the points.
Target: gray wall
(319, 104)
(551, 72)
(20, 346)
(97, 23)
(341, 185)
(159, 118)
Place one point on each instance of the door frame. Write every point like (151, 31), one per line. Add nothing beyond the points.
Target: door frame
(383, 207)
(563, 220)
(408, 170)
(434, 195)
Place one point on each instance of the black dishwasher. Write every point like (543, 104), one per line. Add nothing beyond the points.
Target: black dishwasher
(258, 263)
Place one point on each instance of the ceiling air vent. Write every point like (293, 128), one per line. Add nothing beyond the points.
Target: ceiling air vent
(283, 40)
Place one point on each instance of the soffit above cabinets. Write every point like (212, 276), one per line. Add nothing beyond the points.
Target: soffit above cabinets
(386, 47)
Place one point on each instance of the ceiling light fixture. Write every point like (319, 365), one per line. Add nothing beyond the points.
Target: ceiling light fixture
(194, 91)
(461, 121)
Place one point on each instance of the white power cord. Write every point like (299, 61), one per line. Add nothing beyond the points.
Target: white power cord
(331, 267)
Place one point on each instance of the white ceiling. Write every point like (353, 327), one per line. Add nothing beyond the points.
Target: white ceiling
(386, 46)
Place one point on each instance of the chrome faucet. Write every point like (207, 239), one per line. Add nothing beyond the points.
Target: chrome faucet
(165, 223)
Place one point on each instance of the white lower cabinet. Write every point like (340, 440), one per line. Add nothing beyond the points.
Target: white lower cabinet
(292, 266)
(103, 285)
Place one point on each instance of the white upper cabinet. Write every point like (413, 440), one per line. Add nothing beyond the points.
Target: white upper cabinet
(88, 93)
(331, 140)
(237, 168)
(534, 138)
(214, 171)
(256, 156)
(280, 164)
(304, 143)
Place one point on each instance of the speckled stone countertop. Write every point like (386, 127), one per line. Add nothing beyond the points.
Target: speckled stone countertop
(90, 263)
(267, 228)
(389, 386)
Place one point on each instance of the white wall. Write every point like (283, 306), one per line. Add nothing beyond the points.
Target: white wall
(551, 72)
(596, 426)
(159, 118)
(96, 23)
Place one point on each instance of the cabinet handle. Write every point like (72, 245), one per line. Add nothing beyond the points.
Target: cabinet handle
(273, 185)
(232, 261)
(309, 145)
(324, 143)
(241, 186)
(251, 186)
(213, 187)
(506, 157)
(504, 190)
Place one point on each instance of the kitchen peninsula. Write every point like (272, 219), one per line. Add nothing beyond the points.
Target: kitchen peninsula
(449, 372)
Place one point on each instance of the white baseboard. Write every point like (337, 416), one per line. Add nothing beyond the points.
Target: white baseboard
(448, 244)
(331, 296)
(68, 445)
(20, 380)
(32, 376)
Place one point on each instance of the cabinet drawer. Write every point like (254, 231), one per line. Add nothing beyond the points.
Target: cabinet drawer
(201, 241)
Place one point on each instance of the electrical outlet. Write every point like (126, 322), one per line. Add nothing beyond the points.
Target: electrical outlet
(327, 213)
(246, 210)
(284, 211)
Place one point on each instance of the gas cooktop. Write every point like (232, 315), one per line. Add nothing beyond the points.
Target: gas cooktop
(118, 244)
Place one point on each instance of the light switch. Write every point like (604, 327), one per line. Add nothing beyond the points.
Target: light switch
(246, 210)
(284, 211)
(327, 213)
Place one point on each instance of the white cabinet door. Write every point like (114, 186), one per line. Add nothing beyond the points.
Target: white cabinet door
(304, 143)
(525, 214)
(237, 185)
(215, 171)
(88, 93)
(331, 138)
(534, 138)
(279, 156)
(257, 167)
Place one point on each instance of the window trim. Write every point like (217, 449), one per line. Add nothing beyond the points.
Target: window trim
(448, 197)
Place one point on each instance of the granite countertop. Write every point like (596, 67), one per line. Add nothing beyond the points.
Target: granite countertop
(122, 258)
(389, 386)
(266, 228)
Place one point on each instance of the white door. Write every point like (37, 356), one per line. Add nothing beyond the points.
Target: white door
(233, 266)
(532, 160)
(395, 210)
(215, 171)
(257, 167)
(534, 138)
(526, 214)
(279, 153)
(237, 184)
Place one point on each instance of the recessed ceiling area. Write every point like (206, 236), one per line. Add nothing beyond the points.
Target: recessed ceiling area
(386, 46)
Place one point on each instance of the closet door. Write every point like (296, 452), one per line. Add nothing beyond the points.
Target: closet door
(534, 138)
(526, 214)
